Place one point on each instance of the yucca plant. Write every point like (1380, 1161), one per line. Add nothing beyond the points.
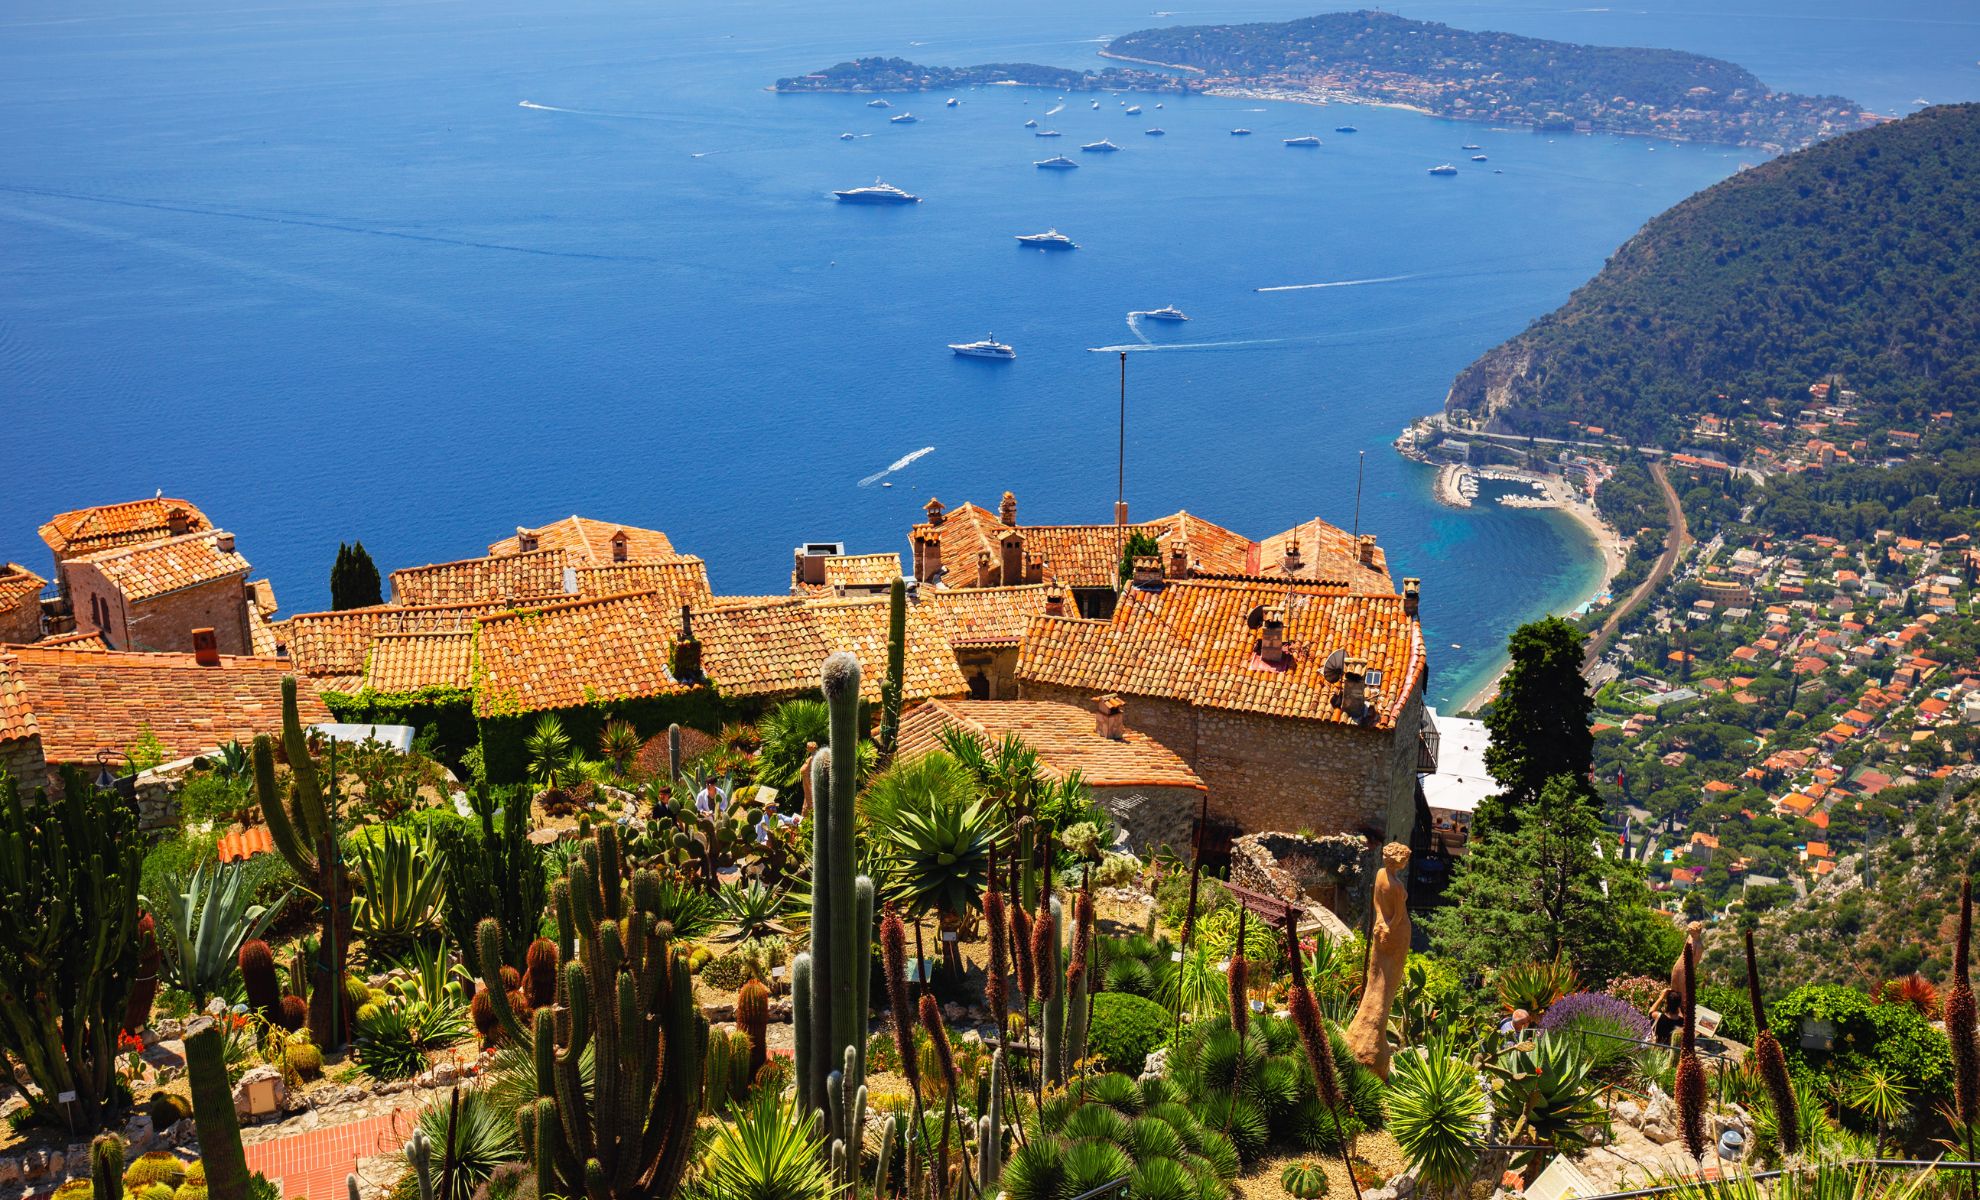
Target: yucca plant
(1437, 1116)
(618, 744)
(484, 1136)
(939, 859)
(201, 929)
(754, 910)
(1831, 1178)
(1547, 1095)
(769, 1152)
(549, 749)
(1878, 1093)
(405, 883)
(1534, 986)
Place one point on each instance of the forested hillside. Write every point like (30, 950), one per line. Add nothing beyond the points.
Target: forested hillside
(1859, 256)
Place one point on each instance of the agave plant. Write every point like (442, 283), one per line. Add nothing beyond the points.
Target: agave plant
(484, 1138)
(234, 762)
(394, 1037)
(919, 784)
(1437, 1116)
(1534, 986)
(940, 858)
(1547, 1095)
(618, 744)
(770, 1152)
(201, 930)
(405, 882)
(753, 909)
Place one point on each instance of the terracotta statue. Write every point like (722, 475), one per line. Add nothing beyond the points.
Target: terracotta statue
(1694, 936)
(1388, 953)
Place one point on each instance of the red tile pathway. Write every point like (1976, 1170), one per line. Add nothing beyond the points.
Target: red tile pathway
(312, 1165)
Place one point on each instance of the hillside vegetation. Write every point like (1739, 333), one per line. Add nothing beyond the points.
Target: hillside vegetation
(1857, 256)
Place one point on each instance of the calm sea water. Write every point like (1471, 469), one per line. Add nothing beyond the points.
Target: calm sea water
(318, 267)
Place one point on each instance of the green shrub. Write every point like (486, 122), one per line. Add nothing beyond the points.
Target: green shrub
(1124, 1029)
(209, 798)
(1894, 1036)
(1218, 933)
(1735, 1013)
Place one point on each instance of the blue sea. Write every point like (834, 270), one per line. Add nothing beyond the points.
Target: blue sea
(420, 271)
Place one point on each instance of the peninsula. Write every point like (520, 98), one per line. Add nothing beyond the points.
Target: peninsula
(1377, 57)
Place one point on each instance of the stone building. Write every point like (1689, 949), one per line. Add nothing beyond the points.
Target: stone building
(1299, 705)
(20, 604)
(1147, 789)
(62, 706)
(151, 595)
(588, 543)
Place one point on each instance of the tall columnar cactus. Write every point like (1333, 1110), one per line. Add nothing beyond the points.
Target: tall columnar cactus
(213, 1114)
(144, 988)
(1079, 981)
(106, 1167)
(673, 754)
(258, 979)
(68, 945)
(625, 994)
(753, 1018)
(892, 690)
(830, 982)
(990, 1131)
(303, 827)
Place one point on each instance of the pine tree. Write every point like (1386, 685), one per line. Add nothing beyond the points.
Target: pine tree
(354, 579)
(1539, 724)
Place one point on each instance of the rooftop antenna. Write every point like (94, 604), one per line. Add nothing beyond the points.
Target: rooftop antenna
(1120, 487)
(1360, 468)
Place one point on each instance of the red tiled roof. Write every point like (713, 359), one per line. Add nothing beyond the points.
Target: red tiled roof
(150, 569)
(506, 578)
(335, 643)
(1326, 552)
(577, 652)
(83, 701)
(679, 579)
(774, 647)
(409, 662)
(590, 543)
(19, 586)
(983, 616)
(85, 639)
(1194, 641)
(89, 529)
(1086, 555)
(861, 570)
(1063, 735)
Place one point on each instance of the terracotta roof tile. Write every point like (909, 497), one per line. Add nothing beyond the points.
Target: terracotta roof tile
(983, 616)
(82, 701)
(19, 586)
(408, 662)
(860, 573)
(151, 569)
(246, 844)
(261, 638)
(86, 639)
(775, 647)
(576, 652)
(1325, 552)
(90, 529)
(506, 578)
(1193, 641)
(335, 643)
(1062, 734)
(860, 627)
(590, 543)
(679, 579)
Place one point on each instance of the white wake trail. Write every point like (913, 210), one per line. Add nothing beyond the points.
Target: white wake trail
(903, 461)
(1308, 287)
(1056, 111)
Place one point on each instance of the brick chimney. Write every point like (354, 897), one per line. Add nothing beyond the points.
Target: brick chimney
(1365, 549)
(983, 569)
(1179, 559)
(687, 652)
(177, 521)
(1148, 571)
(525, 540)
(1011, 545)
(621, 547)
(224, 543)
(1354, 687)
(927, 555)
(1110, 717)
(1055, 600)
(1120, 512)
(206, 647)
(1294, 563)
(934, 510)
(1007, 509)
(1412, 588)
(1272, 635)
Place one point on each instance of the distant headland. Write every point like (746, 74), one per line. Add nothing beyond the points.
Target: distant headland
(1377, 57)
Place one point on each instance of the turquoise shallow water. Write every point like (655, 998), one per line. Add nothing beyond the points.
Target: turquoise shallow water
(318, 267)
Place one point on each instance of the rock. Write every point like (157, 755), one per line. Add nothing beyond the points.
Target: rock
(40, 1164)
(216, 1007)
(1403, 1185)
(10, 1171)
(1627, 1110)
(971, 1037)
(1380, 1193)
(181, 1133)
(445, 1073)
(139, 1134)
(954, 1014)
(1156, 1065)
(254, 1079)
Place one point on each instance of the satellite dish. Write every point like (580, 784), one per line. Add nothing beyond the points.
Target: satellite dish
(1336, 663)
(1256, 617)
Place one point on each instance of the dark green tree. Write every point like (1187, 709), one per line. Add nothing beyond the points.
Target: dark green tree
(1140, 544)
(1539, 723)
(354, 581)
(1543, 890)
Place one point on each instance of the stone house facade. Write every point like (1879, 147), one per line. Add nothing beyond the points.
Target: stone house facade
(20, 604)
(152, 595)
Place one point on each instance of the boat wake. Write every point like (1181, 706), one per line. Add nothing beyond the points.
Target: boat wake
(1056, 110)
(896, 465)
(589, 112)
(1134, 327)
(1241, 344)
(1308, 287)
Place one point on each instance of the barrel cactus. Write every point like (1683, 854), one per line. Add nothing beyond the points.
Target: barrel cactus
(1304, 1179)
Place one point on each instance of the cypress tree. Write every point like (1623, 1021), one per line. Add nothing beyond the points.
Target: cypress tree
(365, 584)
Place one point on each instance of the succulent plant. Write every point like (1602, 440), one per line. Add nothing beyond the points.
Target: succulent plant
(1305, 1180)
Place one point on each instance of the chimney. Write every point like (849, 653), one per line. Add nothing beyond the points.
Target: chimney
(1411, 589)
(206, 647)
(1365, 549)
(1294, 563)
(934, 510)
(1007, 509)
(927, 556)
(1110, 717)
(621, 547)
(1179, 559)
(1055, 600)
(1354, 687)
(1148, 571)
(983, 569)
(1034, 569)
(1272, 635)
(224, 543)
(1011, 543)
(687, 652)
(1120, 512)
(525, 540)
(177, 521)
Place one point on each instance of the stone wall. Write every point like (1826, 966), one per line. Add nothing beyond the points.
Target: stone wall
(163, 622)
(21, 623)
(996, 667)
(1276, 773)
(1304, 869)
(1152, 817)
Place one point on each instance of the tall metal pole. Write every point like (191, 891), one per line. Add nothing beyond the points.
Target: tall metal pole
(1360, 468)
(1120, 484)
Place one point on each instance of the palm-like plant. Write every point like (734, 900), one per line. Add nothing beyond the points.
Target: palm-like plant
(405, 883)
(1202, 987)
(940, 858)
(771, 1152)
(931, 781)
(755, 910)
(484, 1138)
(1879, 1094)
(549, 749)
(1534, 986)
(1437, 1116)
(201, 930)
(618, 744)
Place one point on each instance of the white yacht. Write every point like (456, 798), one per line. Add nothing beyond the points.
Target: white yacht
(1058, 162)
(1469, 146)
(1240, 132)
(1103, 146)
(1478, 158)
(1031, 124)
(903, 119)
(989, 347)
(1345, 129)
(1134, 110)
(1051, 239)
(1308, 140)
(1154, 132)
(1045, 133)
(878, 104)
(847, 137)
(951, 102)
(1166, 313)
(1096, 104)
(1443, 169)
(879, 193)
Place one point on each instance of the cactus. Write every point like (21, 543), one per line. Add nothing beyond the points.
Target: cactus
(144, 989)
(264, 990)
(624, 992)
(1304, 1179)
(715, 1074)
(303, 828)
(540, 974)
(419, 1156)
(106, 1167)
(1047, 970)
(990, 1131)
(889, 1134)
(304, 1059)
(753, 1018)
(892, 688)
(226, 1173)
(673, 753)
(1079, 979)
(740, 1072)
(494, 873)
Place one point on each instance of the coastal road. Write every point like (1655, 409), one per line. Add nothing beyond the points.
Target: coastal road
(1677, 538)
